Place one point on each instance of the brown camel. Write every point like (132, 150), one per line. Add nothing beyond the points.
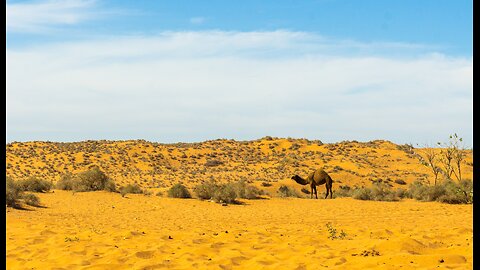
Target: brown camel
(314, 179)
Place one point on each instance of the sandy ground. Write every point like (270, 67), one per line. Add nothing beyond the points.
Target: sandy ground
(100, 230)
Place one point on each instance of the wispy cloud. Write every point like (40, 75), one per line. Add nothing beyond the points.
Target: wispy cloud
(190, 86)
(41, 16)
(197, 20)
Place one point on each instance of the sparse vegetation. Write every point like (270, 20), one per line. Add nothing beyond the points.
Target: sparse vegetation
(179, 191)
(89, 180)
(447, 191)
(332, 232)
(132, 189)
(31, 199)
(285, 191)
(15, 193)
(34, 184)
(377, 192)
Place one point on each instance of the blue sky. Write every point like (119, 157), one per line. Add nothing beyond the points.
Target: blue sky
(173, 71)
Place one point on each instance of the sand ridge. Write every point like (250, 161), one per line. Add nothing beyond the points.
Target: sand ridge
(101, 230)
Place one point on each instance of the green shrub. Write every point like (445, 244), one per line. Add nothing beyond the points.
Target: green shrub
(133, 189)
(401, 193)
(34, 184)
(383, 192)
(31, 199)
(244, 190)
(362, 194)
(66, 182)
(446, 191)
(13, 193)
(418, 191)
(92, 180)
(285, 191)
(343, 191)
(206, 191)
(178, 191)
(225, 194)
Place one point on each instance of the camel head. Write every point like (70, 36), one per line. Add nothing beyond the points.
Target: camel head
(299, 180)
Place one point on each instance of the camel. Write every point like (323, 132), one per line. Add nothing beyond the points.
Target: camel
(314, 179)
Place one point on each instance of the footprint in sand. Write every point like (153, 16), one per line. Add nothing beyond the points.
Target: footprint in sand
(144, 254)
(238, 260)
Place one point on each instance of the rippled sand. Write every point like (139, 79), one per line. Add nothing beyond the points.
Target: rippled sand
(100, 230)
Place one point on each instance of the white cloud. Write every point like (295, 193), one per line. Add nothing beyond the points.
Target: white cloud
(41, 16)
(192, 86)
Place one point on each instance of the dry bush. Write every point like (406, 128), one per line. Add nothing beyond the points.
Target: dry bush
(245, 191)
(225, 194)
(343, 191)
(89, 180)
(34, 184)
(13, 193)
(377, 192)
(179, 191)
(206, 191)
(285, 191)
(133, 189)
(446, 191)
(31, 199)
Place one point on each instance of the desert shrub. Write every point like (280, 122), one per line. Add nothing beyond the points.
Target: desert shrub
(13, 193)
(159, 194)
(66, 182)
(362, 194)
(91, 180)
(245, 191)
(206, 191)
(400, 182)
(402, 193)
(34, 184)
(133, 189)
(342, 191)
(225, 194)
(383, 192)
(417, 190)
(446, 191)
(285, 191)
(266, 184)
(31, 199)
(178, 191)
(213, 163)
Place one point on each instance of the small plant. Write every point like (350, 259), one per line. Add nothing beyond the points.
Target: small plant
(179, 191)
(31, 199)
(266, 184)
(133, 189)
(333, 232)
(284, 191)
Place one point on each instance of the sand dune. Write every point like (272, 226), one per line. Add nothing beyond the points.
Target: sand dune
(100, 230)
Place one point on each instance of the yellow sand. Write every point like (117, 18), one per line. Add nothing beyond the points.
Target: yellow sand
(100, 230)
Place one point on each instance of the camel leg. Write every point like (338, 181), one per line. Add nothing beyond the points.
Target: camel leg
(316, 197)
(311, 192)
(326, 195)
(331, 192)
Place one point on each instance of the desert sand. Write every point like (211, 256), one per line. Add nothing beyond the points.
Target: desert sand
(101, 230)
